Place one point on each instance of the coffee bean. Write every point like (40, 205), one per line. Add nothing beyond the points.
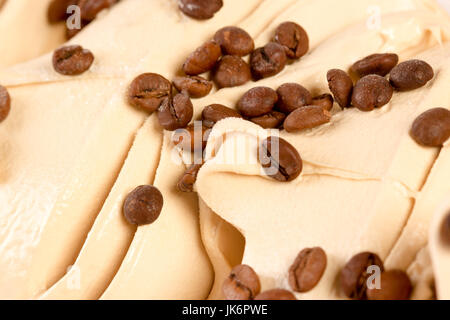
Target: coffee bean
(257, 102)
(216, 112)
(394, 285)
(271, 120)
(175, 113)
(445, 230)
(306, 118)
(410, 75)
(57, 10)
(276, 294)
(90, 8)
(234, 41)
(379, 63)
(231, 71)
(200, 9)
(192, 138)
(202, 59)
(307, 269)
(72, 60)
(143, 205)
(148, 90)
(187, 181)
(5, 103)
(432, 128)
(354, 275)
(293, 38)
(194, 86)
(268, 60)
(292, 96)
(280, 159)
(371, 92)
(242, 284)
(325, 101)
(341, 86)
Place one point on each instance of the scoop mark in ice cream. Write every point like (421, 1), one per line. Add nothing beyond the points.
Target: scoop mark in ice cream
(293, 38)
(379, 63)
(411, 74)
(5, 103)
(292, 96)
(341, 86)
(148, 90)
(234, 41)
(175, 112)
(231, 71)
(242, 284)
(276, 294)
(307, 269)
(306, 118)
(194, 86)
(445, 230)
(268, 60)
(394, 285)
(200, 9)
(72, 60)
(257, 102)
(143, 205)
(214, 113)
(432, 128)
(202, 59)
(370, 92)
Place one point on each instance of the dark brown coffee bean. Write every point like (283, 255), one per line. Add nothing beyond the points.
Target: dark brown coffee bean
(268, 60)
(143, 205)
(187, 181)
(148, 90)
(293, 38)
(5, 103)
(90, 8)
(216, 112)
(394, 285)
(175, 113)
(57, 10)
(325, 101)
(306, 118)
(72, 60)
(194, 86)
(432, 128)
(307, 269)
(231, 71)
(410, 75)
(445, 230)
(200, 9)
(276, 294)
(202, 59)
(354, 275)
(242, 284)
(192, 138)
(341, 86)
(379, 63)
(234, 41)
(280, 159)
(257, 102)
(371, 92)
(292, 96)
(271, 120)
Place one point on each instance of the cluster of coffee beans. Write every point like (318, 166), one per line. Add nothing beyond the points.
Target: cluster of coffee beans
(393, 284)
(57, 12)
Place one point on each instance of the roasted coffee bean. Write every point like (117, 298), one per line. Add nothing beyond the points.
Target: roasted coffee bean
(200, 9)
(292, 96)
(268, 60)
(280, 159)
(306, 118)
(379, 63)
(276, 294)
(187, 181)
(371, 92)
(216, 112)
(341, 86)
(242, 284)
(307, 269)
(90, 8)
(257, 102)
(148, 90)
(234, 41)
(175, 113)
(354, 275)
(410, 75)
(432, 128)
(445, 230)
(57, 10)
(325, 101)
(143, 205)
(5, 103)
(271, 120)
(194, 86)
(231, 71)
(202, 59)
(72, 60)
(192, 138)
(394, 285)
(293, 38)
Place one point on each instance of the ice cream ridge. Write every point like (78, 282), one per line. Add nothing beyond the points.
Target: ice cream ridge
(225, 149)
